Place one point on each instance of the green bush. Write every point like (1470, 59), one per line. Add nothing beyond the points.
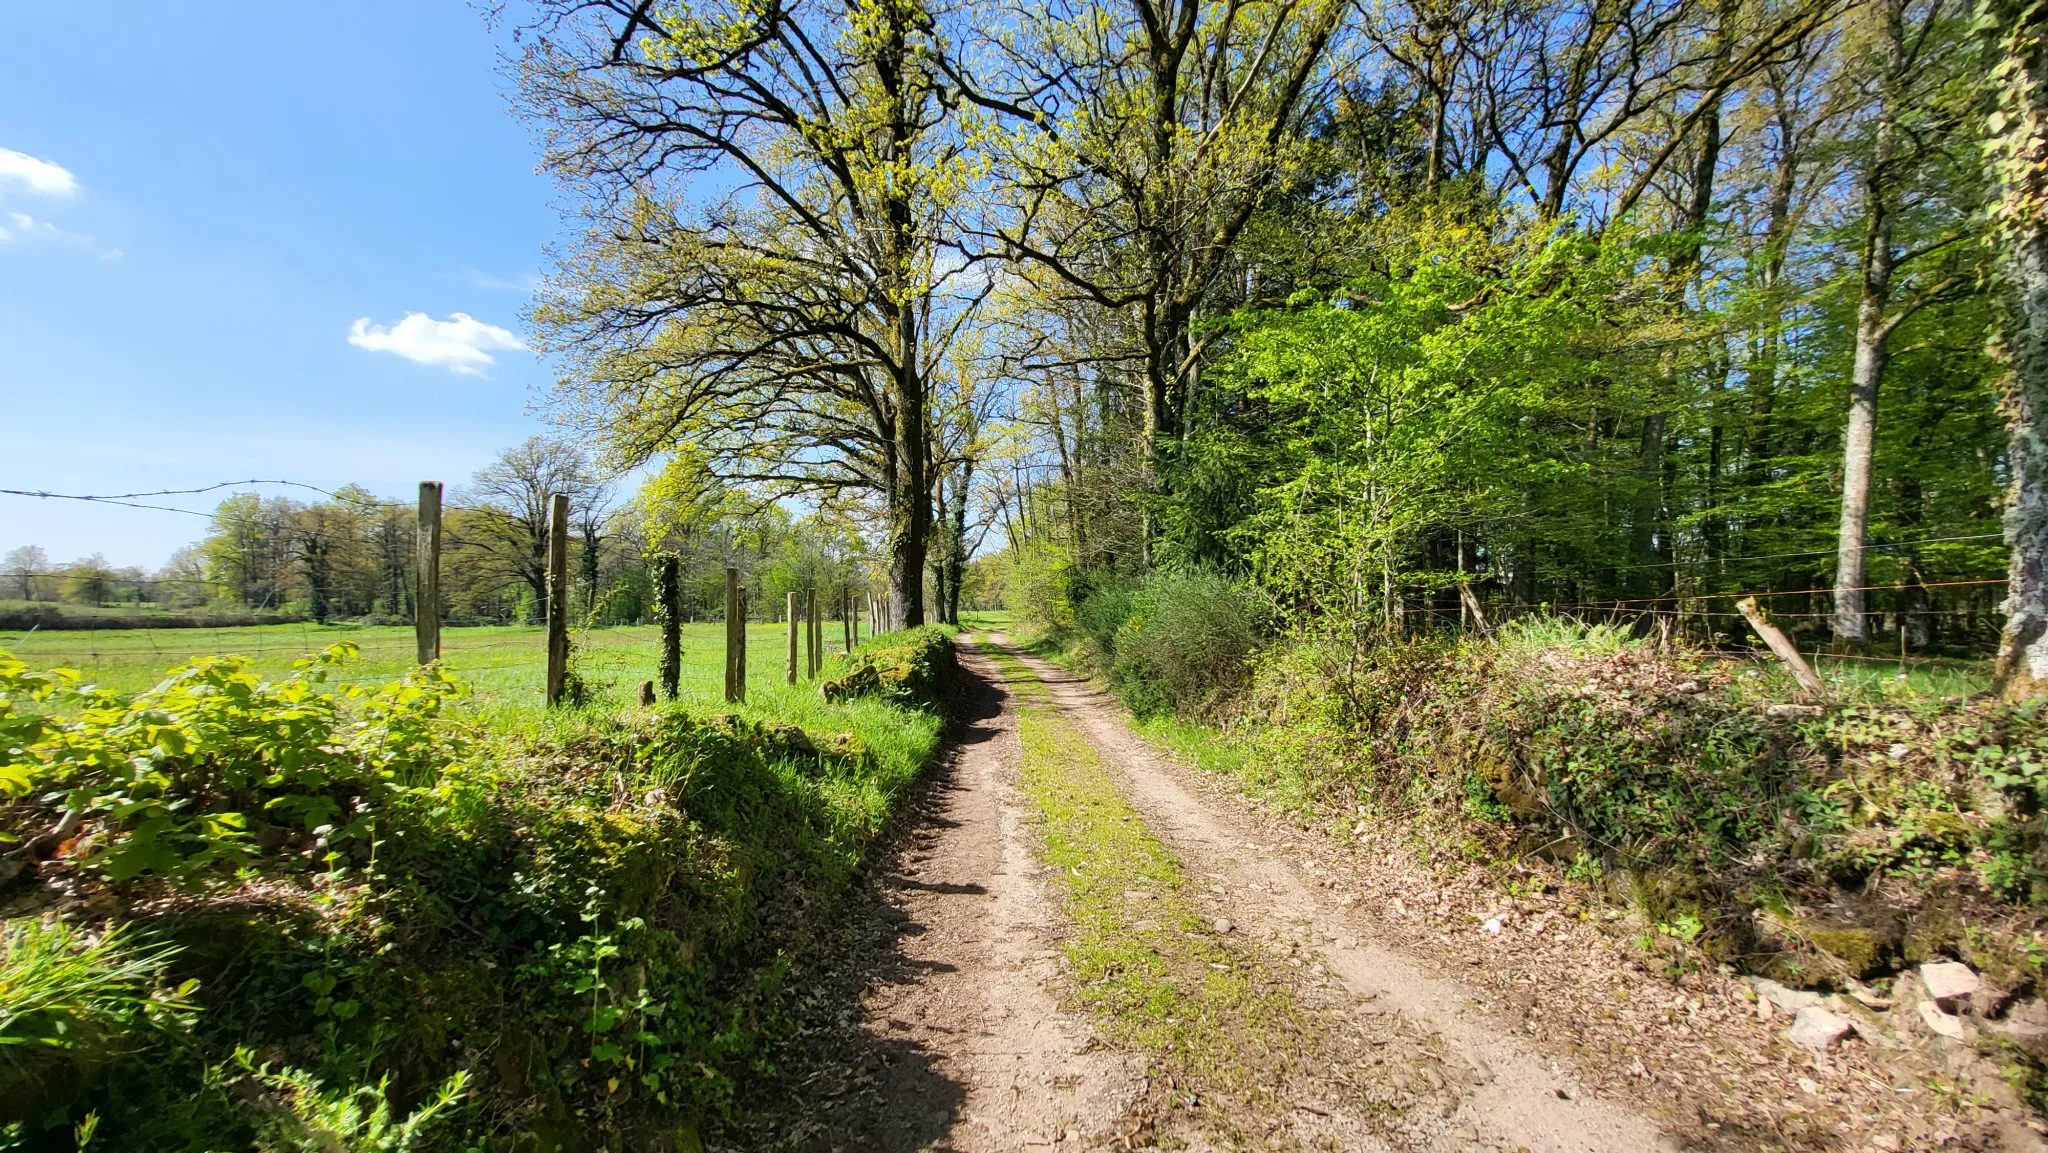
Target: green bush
(1173, 642)
(576, 921)
(1675, 771)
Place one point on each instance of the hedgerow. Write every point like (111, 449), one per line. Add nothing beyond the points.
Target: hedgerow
(315, 904)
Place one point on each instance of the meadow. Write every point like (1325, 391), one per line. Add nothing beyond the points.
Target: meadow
(503, 666)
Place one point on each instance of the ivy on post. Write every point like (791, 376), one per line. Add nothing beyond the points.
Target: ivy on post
(668, 605)
(735, 637)
(558, 596)
(426, 611)
(811, 634)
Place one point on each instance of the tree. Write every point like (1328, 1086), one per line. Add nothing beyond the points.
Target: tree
(24, 568)
(2018, 132)
(591, 518)
(1911, 125)
(509, 517)
(89, 580)
(1145, 135)
(783, 328)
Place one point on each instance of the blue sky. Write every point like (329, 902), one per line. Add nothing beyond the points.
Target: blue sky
(204, 204)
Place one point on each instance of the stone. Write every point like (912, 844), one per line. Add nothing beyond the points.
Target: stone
(1818, 1029)
(1951, 984)
(1947, 1025)
(646, 694)
(1788, 999)
(2026, 1034)
(1223, 924)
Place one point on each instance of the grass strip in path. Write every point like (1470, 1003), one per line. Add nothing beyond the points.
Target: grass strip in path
(1225, 1033)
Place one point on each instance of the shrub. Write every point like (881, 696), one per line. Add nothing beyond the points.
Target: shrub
(914, 668)
(1770, 828)
(576, 918)
(192, 776)
(1174, 641)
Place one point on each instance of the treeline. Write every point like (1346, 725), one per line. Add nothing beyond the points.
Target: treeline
(353, 555)
(1614, 308)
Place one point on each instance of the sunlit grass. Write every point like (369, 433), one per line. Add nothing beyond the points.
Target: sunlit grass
(1157, 974)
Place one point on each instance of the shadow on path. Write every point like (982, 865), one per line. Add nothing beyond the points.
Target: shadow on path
(848, 1082)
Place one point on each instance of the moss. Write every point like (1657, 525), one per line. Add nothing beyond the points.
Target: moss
(1860, 952)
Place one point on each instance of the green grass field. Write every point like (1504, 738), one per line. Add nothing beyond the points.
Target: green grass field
(503, 665)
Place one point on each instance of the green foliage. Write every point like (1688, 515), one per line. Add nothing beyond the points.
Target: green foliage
(298, 1114)
(1173, 641)
(70, 1003)
(914, 668)
(1573, 742)
(1571, 636)
(184, 780)
(568, 925)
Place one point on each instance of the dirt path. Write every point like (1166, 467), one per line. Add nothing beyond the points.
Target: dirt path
(950, 1021)
(1031, 1074)
(940, 1026)
(1515, 1097)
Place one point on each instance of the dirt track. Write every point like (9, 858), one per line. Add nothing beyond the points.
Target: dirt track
(955, 1025)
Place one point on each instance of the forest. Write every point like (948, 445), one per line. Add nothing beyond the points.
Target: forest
(1397, 315)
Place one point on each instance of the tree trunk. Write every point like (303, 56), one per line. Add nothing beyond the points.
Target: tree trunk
(2020, 161)
(1859, 436)
(956, 551)
(910, 498)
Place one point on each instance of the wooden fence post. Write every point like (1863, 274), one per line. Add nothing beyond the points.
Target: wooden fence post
(739, 672)
(426, 600)
(789, 676)
(735, 632)
(810, 633)
(669, 605)
(846, 619)
(1782, 646)
(558, 595)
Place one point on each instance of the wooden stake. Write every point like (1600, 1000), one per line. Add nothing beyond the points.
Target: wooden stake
(558, 595)
(846, 620)
(1782, 646)
(735, 633)
(739, 673)
(426, 598)
(1471, 605)
(811, 634)
(789, 677)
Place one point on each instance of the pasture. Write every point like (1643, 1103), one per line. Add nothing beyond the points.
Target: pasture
(504, 666)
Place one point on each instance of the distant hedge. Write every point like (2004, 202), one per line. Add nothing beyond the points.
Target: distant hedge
(54, 617)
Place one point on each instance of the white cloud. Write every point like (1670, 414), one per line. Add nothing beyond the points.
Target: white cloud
(460, 343)
(38, 176)
(26, 225)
